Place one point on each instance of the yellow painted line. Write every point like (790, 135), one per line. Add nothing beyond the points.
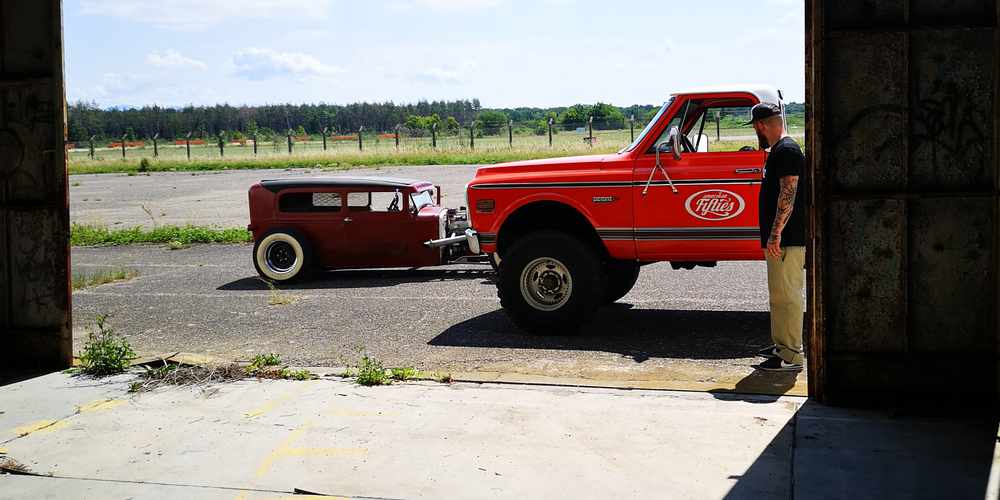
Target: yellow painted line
(100, 405)
(285, 450)
(343, 412)
(3, 451)
(41, 426)
(300, 387)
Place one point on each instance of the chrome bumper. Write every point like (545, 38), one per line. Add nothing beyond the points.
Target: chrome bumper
(471, 237)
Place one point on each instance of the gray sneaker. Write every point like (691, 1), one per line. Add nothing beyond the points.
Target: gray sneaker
(777, 364)
(769, 351)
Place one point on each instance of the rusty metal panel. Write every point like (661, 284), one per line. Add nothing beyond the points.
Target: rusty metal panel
(866, 135)
(852, 14)
(953, 12)
(865, 276)
(952, 103)
(951, 275)
(39, 298)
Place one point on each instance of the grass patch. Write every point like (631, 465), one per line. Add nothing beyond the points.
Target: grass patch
(105, 352)
(276, 297)
(82, 235)
(83, 280)
(176, 245)
(335, 160)
(403, 374)
(371, 372)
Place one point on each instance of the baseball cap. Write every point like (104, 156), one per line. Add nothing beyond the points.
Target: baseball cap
(763, 111)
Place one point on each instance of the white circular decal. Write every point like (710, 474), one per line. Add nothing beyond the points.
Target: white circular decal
(715, 205)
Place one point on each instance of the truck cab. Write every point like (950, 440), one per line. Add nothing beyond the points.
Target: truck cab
(570, 234)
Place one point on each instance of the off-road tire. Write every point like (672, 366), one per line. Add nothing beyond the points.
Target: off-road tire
(290, 241)
(585, 272)
(622, 275)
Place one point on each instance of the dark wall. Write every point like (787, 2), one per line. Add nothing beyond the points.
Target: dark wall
(905, 96)
(35, 326)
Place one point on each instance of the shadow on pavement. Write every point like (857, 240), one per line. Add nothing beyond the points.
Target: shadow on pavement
(638, 334)
(824, 452)
(365, 279)
(759, 387)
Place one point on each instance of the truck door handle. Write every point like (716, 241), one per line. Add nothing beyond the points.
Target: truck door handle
(348, 219)
(747, 170)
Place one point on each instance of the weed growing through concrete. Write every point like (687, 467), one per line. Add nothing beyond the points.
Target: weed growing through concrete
(261, 361)
(371, 372)
(176, 245)
(403, 374)
(105, 353)
(276, 297)
(289, 374)
(186, 375)
(83, 280)
(11, 466)
(445, 379)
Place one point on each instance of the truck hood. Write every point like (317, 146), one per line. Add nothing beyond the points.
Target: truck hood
(566, 166)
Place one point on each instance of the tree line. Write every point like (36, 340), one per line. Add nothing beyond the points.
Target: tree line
(87, 119)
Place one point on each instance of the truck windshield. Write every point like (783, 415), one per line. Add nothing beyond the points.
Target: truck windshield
(649, 126)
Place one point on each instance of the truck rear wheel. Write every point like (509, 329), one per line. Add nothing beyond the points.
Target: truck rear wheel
(622, 275)
(551, 283)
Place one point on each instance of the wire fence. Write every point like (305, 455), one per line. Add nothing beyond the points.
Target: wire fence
(533, 135)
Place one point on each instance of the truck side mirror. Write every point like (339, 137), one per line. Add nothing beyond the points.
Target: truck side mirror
(675, 141)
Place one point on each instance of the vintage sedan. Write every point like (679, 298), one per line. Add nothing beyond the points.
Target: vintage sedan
(303, 224)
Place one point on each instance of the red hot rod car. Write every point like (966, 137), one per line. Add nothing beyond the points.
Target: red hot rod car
(301, 224)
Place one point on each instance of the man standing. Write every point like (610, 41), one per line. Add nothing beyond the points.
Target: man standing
(782, 236)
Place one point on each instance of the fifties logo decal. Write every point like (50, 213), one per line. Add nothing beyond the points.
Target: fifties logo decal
(715, 205)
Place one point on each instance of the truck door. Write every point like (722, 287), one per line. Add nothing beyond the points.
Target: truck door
(707, 210)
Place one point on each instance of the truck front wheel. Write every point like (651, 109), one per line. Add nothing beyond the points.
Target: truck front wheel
(622, 275)
(550, 283)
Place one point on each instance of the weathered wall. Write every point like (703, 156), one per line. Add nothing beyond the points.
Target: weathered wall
(905, 161)
(35, 326)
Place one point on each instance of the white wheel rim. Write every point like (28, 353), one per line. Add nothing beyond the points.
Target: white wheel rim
(275, 266)
(546, 284)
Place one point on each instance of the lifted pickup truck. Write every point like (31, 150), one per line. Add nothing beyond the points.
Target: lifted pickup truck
(570, 234)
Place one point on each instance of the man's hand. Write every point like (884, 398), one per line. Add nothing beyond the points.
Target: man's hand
(774, 246)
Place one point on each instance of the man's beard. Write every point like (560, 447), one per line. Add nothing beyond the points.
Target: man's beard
(762, 141)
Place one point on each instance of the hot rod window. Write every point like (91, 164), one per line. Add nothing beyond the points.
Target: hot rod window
(375, 201)
(309, 202)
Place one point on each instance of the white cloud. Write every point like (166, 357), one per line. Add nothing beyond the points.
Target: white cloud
(198, 15)
(445, 4)
(260, 64)
(438, 75)
(172, 59)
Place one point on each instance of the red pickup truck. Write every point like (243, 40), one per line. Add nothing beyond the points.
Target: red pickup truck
(570, 234)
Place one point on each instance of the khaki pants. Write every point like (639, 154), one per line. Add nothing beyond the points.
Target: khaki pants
(785, 278)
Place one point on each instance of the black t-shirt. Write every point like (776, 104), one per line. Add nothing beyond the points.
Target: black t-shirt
(785, 159)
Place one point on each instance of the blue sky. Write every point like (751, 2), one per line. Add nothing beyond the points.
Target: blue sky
(505, 52)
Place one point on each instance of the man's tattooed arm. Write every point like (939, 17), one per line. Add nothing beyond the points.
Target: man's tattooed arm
(786, 202)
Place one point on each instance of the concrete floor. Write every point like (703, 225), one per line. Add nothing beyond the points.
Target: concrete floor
(89, 439)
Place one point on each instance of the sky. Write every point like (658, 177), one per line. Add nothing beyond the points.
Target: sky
(506, 53)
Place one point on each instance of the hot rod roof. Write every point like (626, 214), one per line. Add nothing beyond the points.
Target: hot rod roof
(353, 182)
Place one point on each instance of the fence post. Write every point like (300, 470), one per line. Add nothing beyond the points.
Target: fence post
(325, 130)
(222, 144)
(550, 132)
(590, 131)
(397, 136)
(187, 140)
(361, 144)
(434, 135)
(156, 146)
(92, 146)
(510, 133)
(631, 127)
(289, 136)
(254, 137)
(472, 135)
(123, 145)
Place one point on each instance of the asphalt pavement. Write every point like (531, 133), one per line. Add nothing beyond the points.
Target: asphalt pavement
(681, 329)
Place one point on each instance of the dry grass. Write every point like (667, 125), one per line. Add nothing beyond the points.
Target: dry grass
(10, 466)
(187, 375)
(83, 280)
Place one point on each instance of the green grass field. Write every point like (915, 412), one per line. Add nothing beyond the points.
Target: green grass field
(450, 150)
